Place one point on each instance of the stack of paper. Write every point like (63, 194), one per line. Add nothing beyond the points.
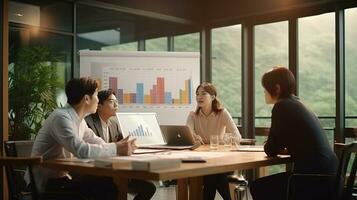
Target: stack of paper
(149, 164)
(112, 162)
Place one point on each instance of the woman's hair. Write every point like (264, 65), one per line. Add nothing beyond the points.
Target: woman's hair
(78, 87)
(104, 95)
(210, 89)
(279, 76)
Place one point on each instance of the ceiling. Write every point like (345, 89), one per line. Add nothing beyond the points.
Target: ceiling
(145, 19)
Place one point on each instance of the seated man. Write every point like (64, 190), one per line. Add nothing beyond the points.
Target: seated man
(105, 125)
(65, 134)
(103, 122)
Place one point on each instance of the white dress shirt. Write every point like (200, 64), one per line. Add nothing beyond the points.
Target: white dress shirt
(105, 129)
(63, 134)
(212, 124)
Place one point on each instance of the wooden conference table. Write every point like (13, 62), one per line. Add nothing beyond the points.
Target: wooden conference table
(189, 175)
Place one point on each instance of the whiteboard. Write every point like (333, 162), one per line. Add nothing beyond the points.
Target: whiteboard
(160, 82)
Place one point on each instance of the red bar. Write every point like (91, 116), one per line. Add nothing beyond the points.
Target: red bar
(154, 94)
(160, 90)
(113, 83)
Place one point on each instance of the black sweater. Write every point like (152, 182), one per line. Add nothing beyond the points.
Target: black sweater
(297, 128)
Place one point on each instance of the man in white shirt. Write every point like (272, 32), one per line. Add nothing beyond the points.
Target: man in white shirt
(105, 125)
(65, 134)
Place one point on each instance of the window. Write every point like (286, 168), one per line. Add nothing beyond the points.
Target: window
(351, 69)
(158, 44)
(271, 49)
(51, 41)
(131, 46)
(226, 67)
(317, 66)
(187, 42)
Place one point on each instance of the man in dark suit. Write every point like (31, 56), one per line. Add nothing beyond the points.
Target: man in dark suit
(103, 122)
(105, 125)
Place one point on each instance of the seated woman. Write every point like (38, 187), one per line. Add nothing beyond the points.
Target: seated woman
(208, 119)
(295, 130)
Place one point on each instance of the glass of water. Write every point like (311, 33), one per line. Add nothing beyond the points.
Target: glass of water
(214, 142)
(229, 141)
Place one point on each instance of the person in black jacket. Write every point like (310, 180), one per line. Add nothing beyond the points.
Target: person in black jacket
(295, 130)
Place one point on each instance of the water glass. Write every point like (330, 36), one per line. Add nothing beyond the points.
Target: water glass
(228, 140)
(214, 142)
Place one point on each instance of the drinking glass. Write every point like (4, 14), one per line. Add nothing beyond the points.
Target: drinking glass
(228, 141)
(214, 142)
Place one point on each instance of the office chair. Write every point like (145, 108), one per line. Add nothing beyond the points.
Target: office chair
(9, 163)
(15, 168)
(345, 179)
(301, 186)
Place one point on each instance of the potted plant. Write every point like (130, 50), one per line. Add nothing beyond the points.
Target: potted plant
(33, 83)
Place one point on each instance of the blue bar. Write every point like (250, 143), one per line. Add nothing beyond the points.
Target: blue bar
(142, 130)
(168, 98)
(149, 134)
(140, 93)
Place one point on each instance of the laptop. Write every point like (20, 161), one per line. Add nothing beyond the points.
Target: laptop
(145, 128)
(177, 135)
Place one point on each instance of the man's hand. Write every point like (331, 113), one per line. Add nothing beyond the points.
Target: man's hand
(126, 147)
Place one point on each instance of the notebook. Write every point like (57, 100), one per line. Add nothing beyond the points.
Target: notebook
(250, 148)
(145, 128)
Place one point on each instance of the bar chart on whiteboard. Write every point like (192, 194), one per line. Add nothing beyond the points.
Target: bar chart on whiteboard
(164, 84)
(150, 87)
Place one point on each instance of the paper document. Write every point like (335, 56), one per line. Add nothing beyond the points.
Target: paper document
(250, 148)
(74, 159)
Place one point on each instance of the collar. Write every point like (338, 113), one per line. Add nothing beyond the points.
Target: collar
(203, 115)
(72, 112)
(104, 124)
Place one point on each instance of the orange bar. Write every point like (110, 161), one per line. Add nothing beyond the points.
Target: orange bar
(186, 92)
(126, 98)
(147, 99)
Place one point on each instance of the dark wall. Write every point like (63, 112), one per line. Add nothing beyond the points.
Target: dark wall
(189, 9)
(239, 11)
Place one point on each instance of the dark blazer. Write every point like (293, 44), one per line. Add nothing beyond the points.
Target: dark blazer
(295, 127)
(93, 122)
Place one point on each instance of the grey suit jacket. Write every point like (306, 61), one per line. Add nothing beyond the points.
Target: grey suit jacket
(93, 122)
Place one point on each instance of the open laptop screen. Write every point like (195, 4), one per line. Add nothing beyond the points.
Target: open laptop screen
(142, 126)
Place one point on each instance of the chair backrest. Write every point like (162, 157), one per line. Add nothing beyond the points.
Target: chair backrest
(15, 170)
(345, 178)
(11, 162)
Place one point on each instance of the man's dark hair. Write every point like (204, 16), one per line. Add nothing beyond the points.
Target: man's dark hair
(78, 87)
(279, 76)
(104, 95)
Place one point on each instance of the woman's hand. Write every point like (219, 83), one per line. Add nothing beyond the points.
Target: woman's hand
(198, 139)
